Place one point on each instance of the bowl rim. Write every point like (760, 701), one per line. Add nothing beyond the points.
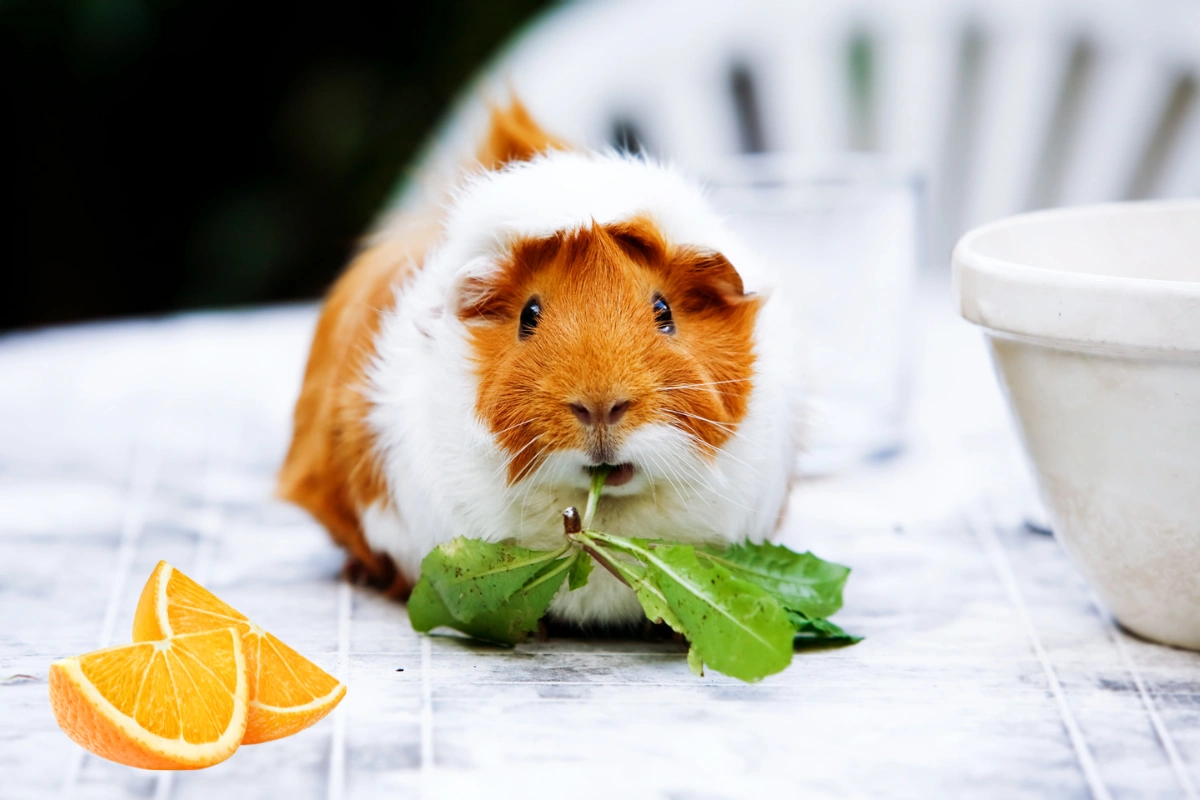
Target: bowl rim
(1078, 310)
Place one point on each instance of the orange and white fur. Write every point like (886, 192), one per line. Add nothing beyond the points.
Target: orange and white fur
(440, 402)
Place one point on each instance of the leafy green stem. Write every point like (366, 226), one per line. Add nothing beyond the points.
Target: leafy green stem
(634, 578)
(619, 570)
(557, 570)
(646, 555)
(599, 476)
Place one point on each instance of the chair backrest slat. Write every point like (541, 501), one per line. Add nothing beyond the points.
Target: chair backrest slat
(1005, 104)
(1123, 92)
(1024, 64)
(1180, 176)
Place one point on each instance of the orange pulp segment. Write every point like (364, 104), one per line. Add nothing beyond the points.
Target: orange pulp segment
(288, 693)
(178, 703)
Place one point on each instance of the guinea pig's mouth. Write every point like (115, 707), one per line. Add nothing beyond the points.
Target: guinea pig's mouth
(619, 474)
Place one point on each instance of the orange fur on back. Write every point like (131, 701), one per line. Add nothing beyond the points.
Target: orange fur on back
(597, 342)
(332, 468)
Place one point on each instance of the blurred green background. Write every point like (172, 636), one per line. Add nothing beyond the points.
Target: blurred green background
(174, 154)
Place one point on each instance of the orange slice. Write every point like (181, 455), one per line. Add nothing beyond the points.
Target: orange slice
(288, 692)
(179, 703)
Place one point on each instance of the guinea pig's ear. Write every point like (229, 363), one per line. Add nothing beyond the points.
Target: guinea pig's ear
(708, 280)
(474, 291)
(514, 135)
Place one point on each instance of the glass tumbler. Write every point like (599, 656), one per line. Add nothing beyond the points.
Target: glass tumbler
(842, 234)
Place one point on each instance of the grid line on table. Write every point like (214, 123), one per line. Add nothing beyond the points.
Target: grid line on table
(1160, 727)
(682, 653)
(141, 486)
(208, 532)
(164, 785)
(337, 748)
(143, 475)
(986, 532)
(426, 716)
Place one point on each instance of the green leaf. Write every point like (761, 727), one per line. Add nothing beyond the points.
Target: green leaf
(577, 578)
(509, 624)
(426, 610)
(474, 577)
(800, 581)
(695, 662)
(734, 626)
(819, 632)
(650, 595)
(519, 617)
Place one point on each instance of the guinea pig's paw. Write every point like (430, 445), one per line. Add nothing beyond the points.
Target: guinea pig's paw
(380, 573)
(399, 589)
(356, 571)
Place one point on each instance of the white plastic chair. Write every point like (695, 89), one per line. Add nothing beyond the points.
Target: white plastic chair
(1006, 105)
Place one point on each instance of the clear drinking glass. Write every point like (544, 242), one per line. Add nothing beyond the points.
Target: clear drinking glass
(843, 234)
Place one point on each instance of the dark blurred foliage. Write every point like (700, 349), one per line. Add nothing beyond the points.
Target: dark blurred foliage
(169, 154)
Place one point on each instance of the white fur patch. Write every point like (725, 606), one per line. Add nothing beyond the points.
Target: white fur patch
(567, 191)
(446, 474)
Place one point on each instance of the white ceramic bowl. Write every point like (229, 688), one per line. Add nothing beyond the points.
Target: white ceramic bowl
(1093, 319)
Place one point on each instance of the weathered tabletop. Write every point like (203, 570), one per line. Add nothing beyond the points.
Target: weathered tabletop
(988, 667)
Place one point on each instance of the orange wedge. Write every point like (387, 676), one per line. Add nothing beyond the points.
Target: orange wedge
(287, 691)
(179, 703)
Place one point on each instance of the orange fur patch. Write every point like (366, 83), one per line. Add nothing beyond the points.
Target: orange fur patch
(597, 342)
(332, 468)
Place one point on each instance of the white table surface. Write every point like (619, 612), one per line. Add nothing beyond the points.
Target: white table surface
(988, 668)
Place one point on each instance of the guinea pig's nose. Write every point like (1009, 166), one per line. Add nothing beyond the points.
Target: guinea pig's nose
(602, 413)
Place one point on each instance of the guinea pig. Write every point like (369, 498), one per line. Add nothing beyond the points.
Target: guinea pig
(563, 310)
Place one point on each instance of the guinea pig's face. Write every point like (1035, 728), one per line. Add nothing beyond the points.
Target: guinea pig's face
(609, 345)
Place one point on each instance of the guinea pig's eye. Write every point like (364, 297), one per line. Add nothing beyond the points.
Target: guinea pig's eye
(529, 317)
(662, 315)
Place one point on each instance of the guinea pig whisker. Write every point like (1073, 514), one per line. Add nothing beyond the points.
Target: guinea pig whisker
(717, 451)
(662, 469)
(673, 477)
(512, 427)
(722, 425)
(699, 475)
(710, 489)
(697, 385)
(481, 445)
(513, 500)
(524, 476)
(693, 472)
(700, 487)
(513, 457)
(533, 480)
(653, 491)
